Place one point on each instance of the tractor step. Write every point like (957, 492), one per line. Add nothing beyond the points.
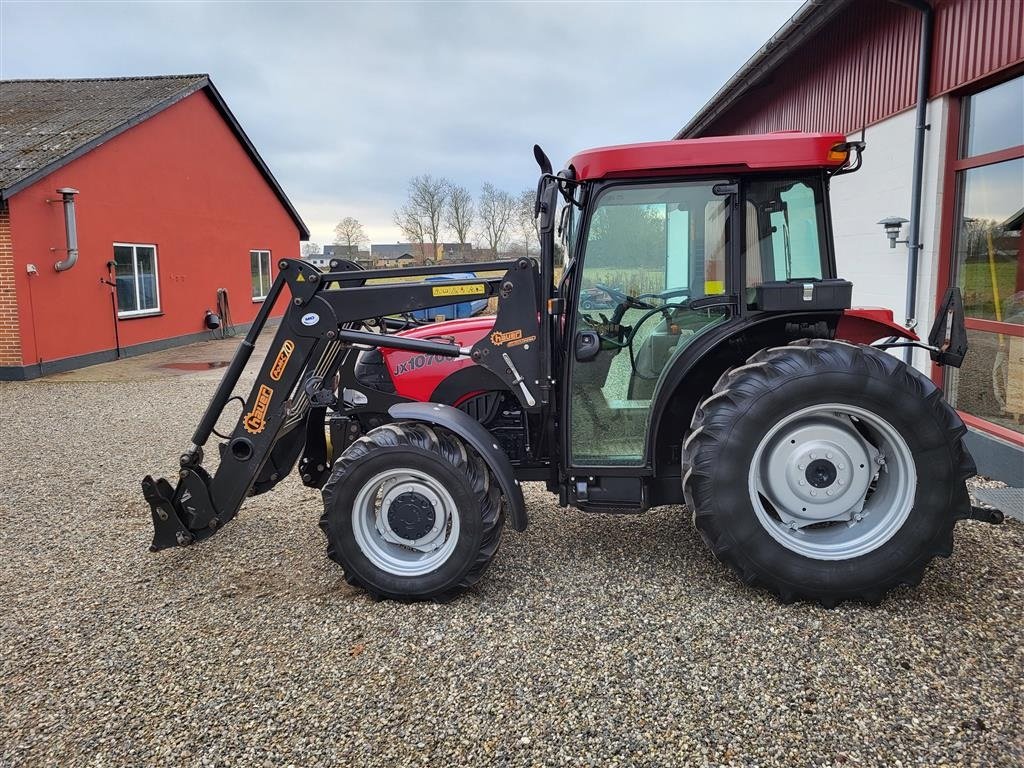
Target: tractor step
(986, 514)
(1008, 500)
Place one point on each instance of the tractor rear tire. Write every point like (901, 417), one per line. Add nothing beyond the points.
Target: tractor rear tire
(774, 472)
(412, 513)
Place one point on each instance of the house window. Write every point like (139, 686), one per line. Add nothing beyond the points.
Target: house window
(259, 268)
(138, 291)
(988, 257)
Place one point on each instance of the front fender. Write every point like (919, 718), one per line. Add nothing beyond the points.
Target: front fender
(470, 430)
(865, 325)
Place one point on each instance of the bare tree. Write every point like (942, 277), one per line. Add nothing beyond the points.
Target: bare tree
(497, 210)
(408, 221)
(349, 232)
(460, 212)
(310, 249)
(525, 221)
(427, 201)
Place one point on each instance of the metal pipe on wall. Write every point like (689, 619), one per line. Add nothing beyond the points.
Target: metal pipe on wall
(921, 127)
(70, 229)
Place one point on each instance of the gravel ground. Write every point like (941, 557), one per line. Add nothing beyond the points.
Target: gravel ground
(593, 640)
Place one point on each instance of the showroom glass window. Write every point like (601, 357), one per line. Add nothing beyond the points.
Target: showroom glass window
(987, 255)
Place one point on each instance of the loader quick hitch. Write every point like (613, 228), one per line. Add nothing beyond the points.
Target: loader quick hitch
(168, 530)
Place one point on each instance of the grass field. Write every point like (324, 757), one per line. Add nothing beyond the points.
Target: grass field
(635, 282)
(979, 300)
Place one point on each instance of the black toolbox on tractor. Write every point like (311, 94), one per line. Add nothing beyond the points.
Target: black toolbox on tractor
(794, 295)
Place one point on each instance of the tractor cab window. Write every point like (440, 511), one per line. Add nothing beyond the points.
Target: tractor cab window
(785, 231)
(649, 251)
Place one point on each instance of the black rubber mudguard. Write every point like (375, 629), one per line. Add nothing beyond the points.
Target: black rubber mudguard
(470, 430)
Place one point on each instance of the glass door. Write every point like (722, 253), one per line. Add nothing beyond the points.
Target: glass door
(987, 259)
(650, 250)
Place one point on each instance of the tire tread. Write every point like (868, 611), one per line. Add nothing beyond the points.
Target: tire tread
(449, 448)
(737, 387)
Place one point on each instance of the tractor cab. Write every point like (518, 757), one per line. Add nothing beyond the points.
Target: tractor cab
(671, 244)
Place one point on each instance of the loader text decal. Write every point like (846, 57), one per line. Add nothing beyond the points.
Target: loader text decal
(256, 419)
(282, 359)
(510, 338)
(420, 361)
(458, 290)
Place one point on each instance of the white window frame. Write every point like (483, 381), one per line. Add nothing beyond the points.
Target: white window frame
(265, 288)
(135, 269)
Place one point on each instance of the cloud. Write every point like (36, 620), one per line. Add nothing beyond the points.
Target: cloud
(347, 101)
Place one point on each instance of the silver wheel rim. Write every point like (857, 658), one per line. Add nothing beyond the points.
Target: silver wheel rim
(832, 481)
(386, 547)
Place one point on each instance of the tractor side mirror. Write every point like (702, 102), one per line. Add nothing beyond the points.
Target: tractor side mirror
(587, 345)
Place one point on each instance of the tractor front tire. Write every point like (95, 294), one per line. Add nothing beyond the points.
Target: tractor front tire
(412, 513)
(826, 471)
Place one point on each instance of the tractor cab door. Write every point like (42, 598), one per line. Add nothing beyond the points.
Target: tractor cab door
(651, 253)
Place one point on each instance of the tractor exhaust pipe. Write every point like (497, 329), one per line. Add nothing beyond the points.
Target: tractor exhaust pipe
(70, 229)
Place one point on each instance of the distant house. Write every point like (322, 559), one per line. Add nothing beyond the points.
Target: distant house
(408, 254)
(351, 252)
(342, 251)
(455, 252)
(395, 260)
(169, 207)
(394, 254)
(318, 260)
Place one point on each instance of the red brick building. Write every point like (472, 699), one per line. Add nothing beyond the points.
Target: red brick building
(936, 89)
(170, 203)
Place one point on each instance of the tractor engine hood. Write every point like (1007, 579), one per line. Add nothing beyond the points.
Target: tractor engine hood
(417, 375)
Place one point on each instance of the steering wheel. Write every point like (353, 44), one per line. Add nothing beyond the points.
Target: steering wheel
(625, 301)
(682, 302)
(623, 298)
(683, 294)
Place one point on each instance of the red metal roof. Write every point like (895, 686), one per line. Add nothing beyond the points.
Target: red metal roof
(974, 39)
(765, 152)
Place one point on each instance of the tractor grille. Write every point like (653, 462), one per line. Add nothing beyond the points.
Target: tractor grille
(370, 371)
(505, 419)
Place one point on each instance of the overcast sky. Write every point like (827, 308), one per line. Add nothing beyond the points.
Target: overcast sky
(347, 101)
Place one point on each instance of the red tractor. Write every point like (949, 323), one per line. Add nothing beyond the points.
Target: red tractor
(724, 371)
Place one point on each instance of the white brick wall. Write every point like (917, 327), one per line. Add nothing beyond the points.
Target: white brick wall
(882, 188)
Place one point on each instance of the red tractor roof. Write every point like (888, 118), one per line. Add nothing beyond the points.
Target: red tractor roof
(761, 152)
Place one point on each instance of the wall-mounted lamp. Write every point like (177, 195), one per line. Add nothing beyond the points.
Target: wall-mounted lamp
(67, 197)
(893, 225)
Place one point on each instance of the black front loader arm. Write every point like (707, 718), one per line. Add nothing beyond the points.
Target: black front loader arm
(319, 326)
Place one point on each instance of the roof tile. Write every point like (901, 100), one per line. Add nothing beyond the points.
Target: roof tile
(44, 121)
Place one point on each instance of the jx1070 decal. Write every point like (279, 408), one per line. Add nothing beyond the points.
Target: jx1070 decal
(419, 361)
